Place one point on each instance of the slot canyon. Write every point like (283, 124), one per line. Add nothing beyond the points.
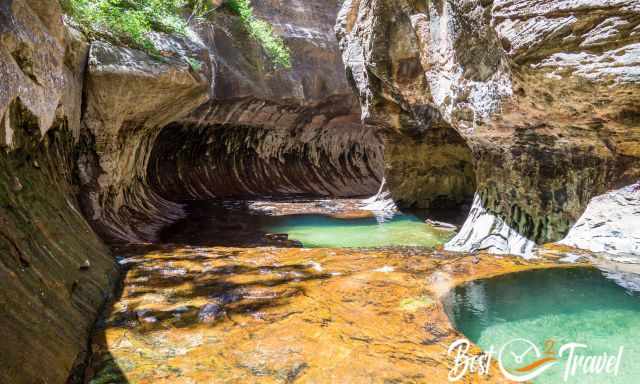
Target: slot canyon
(197, 212)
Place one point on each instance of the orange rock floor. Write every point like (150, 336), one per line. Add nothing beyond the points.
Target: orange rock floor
(277, 315)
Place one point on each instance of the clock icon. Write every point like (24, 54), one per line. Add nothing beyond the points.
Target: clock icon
(524, 360)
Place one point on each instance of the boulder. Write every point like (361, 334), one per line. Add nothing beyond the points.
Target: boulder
(610, 224)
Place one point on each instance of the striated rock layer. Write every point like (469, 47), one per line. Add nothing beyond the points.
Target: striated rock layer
(191, 162)
(55, 273)
(79, 122)
(129, 97)
(545, 95)
(161, 132)
(272, 131)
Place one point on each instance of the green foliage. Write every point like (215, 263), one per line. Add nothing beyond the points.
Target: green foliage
(273, 45)
(200, 8)
(196, 65)
(128, 22)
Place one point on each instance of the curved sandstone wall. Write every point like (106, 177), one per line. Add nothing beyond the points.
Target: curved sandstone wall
(129, 97)
(164, 132)
(79, 123)
(270, 131)
(191, 163)
(544, 93)
(55, 273)
(532, 104)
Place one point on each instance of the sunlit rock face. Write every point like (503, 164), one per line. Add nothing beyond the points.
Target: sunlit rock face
(545, 95)
(610, 224)
(266, 315)
(161, 132)
(267, 130)
(129, 97)
(55, 273)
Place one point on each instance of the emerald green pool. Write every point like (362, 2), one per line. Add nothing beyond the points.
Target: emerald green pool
(319, 231)
(550, 308)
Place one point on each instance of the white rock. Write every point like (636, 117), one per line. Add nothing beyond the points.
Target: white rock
(610, 224)
(381, 204)
(483, 231)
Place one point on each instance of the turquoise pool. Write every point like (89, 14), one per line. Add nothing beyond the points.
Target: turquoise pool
(550, 308)
(319, 231)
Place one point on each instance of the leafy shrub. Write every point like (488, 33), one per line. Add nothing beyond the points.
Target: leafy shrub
(273, 45)
(129, 22)
(195, 64)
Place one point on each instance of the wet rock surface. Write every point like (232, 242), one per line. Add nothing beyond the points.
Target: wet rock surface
(55, 273)
(532, 104)
(82, 118)
(543, 93)
(242, 222)
(207, 314)
(301, 206)
(230, 223)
